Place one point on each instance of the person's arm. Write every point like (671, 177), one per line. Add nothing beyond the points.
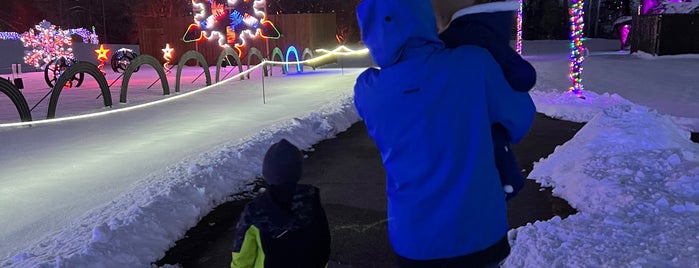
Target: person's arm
(246, 245)
(362, 84)
(519, 73)
(512, 109)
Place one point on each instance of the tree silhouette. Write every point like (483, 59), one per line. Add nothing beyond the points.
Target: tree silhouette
(19, 15)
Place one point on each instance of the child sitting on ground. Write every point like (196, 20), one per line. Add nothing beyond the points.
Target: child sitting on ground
(285, 226)
(487, 23)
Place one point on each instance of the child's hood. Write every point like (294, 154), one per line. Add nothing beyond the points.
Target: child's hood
(496, 16)
(388, 26)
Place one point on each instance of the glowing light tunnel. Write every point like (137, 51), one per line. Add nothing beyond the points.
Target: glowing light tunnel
(298, 60)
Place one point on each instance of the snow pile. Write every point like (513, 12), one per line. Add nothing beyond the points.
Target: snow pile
(647, 56)
(633, 175)
(140, 226)
(568, 106)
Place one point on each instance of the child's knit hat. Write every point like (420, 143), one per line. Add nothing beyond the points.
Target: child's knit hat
(282, 164)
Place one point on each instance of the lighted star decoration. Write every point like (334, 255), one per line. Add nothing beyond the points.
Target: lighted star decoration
(231, 23)
(167, 55)
(102, 56)
(47, 42)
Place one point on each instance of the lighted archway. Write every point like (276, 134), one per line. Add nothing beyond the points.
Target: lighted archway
(277, 52)
(17, 99)
(188, 56)
(290, 50)
(256, 52)
(225, 53)
(78, 67)
(309, 53)
(134, 66)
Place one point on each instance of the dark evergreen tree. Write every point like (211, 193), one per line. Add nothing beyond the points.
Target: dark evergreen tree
(19, 15)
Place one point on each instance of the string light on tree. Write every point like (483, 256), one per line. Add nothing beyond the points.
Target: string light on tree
(167, 55)
(102, 56)
(577, 25)
(47, 42)
(519, 28)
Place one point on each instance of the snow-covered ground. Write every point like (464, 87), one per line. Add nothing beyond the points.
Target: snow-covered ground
(118, 190)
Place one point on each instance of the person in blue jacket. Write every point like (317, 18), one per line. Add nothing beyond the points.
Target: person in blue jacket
(488, 23)
(430, 116)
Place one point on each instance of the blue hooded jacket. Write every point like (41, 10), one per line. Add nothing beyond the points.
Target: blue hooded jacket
(430, 116)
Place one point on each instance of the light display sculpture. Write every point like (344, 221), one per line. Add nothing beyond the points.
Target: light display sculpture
(231, 23)
(47, 42)
(89, 37)
(167, 56)
(102, 57)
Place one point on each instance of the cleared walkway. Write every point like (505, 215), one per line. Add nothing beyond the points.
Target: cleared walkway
(349, 172)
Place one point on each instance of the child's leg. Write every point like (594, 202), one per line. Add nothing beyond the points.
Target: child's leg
(510, 173)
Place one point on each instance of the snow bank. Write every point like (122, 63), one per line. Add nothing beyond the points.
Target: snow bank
(633, 175)
(137, 228)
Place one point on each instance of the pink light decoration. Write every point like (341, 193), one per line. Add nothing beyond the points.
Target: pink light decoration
(47, 42)
(519, 28)
(647, 5)
(232, 23)
(577, 24)
(624, 35)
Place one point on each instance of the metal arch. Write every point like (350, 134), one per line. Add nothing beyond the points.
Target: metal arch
(308, 52)
(17, 99)
(225, 53)
(256, 52)
(134, 66)
(192, 54)
(277, 52)
(78, 67)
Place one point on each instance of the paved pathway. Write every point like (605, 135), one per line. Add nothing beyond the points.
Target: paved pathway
(349, 173)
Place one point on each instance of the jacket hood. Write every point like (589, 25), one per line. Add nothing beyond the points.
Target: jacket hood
(497, 17)
(389, 26)
(282, 164)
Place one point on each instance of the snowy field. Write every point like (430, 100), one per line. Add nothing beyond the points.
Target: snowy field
(118, 190)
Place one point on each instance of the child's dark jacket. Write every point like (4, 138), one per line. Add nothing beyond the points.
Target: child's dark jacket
(489, 26)
(269, 236)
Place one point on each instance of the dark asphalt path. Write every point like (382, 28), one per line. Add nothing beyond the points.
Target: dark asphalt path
(349, 172)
